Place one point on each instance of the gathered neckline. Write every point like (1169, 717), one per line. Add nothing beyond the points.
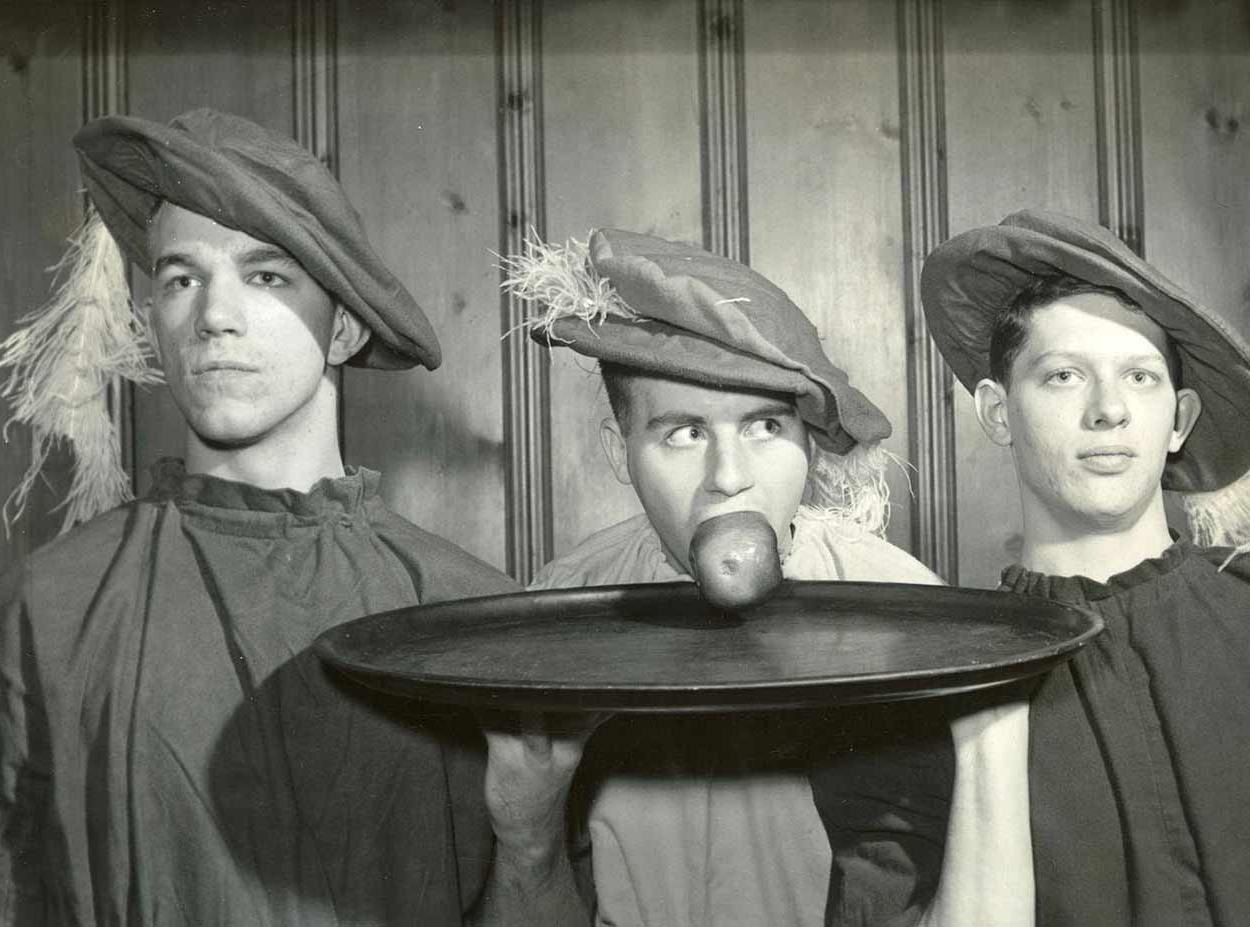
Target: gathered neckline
(327, 497)
(1017, 578)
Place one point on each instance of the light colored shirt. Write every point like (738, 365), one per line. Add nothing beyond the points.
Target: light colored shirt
(687, 850)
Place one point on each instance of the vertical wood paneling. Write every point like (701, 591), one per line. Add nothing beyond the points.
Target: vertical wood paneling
(314, 78)
(526, 386)
(41, 54)
(104, 86)
(1195, 91)
(922, 109)
(234, 57)
(1118, 113)
(315, 96)
(104, 58)
(1021, 130)
(824, 179)
(621, 133)
(418, 157)
(726, 229)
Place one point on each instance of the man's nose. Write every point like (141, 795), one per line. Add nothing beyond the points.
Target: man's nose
(219, 310)
(1107, 408)
(729, 469)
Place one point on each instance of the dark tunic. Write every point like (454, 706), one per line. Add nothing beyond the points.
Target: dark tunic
(172, 752)
(1140, 749)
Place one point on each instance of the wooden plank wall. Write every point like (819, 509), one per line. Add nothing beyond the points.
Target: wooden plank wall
(41, 104)
(830, 142)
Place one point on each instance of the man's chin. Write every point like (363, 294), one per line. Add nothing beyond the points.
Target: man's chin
(1110, 515)
(227, 437)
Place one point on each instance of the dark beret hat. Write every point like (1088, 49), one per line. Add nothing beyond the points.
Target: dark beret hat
(706, 318)
(968, 280)
(250, 179)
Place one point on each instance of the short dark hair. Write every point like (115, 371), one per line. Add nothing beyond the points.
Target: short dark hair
(616, 380)
(1011, 326)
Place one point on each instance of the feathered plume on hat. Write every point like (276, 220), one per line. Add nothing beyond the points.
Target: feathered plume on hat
(560, 282)
(61, 364)
(1221, 518)
(698, 323)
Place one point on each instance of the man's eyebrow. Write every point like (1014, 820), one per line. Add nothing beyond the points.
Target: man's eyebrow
(262, 254)
(265, 254)
(766, 410)
(675, 419)
(1077, 355)
(771, 410)
(172, 258)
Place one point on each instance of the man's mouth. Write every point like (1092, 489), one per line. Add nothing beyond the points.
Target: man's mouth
(1111, 459)
(222, 366)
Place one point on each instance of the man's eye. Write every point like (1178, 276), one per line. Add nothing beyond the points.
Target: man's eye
(764, 428)
(1143, 378)
(1062, 377)
(685, 436)
(269, 278)
(180, 282)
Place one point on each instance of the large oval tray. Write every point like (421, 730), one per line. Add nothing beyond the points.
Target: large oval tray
(660, 648)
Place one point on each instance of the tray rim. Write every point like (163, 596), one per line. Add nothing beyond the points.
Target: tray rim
(749, 695)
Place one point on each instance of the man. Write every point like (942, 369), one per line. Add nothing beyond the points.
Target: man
(170, 750)
(724, 401)
(1109, 384)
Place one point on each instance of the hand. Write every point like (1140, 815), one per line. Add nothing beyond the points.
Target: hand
(531, 760)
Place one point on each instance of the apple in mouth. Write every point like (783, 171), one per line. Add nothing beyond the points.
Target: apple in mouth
(734, 560)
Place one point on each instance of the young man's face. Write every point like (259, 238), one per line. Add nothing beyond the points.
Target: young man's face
(692, 452)
(1090, 415)
(243, 332)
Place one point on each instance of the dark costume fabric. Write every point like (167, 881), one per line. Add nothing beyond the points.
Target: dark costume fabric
(1140, 746)
(882, 778)
(171, 751)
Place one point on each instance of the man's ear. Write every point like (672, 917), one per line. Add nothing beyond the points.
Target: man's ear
(990, 398)
(1188, 408)
(613, 441)
(347, 337)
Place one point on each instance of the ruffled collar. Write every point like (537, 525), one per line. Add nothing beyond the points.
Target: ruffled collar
(329, 497)
(1080, 589)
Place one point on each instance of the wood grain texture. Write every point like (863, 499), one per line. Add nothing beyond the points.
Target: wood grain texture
(1021, 132)
(824, 180)
(1195, 75)
(418, 159)
(40, 108)
(234, 57)
(621, 131)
